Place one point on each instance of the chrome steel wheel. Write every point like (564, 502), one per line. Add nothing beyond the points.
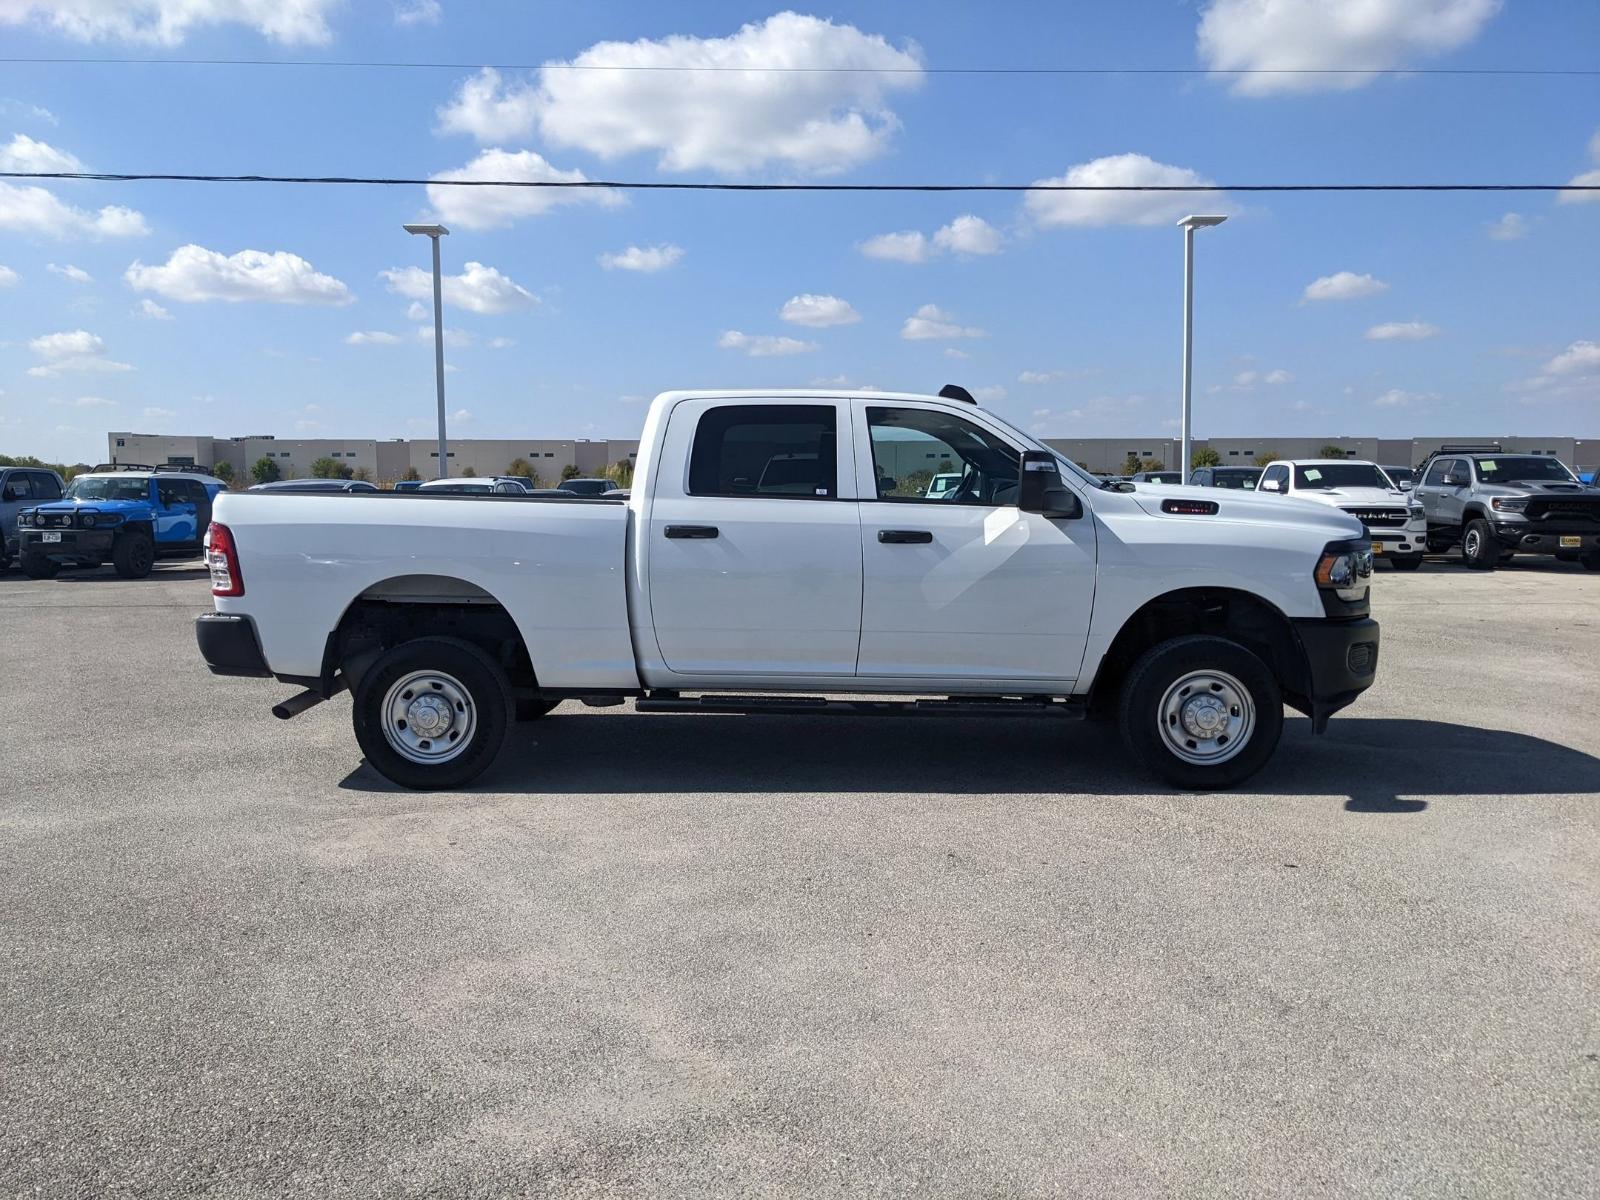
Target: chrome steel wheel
(1206, 717)
(428, 717)
(1472, 543)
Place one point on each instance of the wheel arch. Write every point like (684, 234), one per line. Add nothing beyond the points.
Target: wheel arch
(1257, 624)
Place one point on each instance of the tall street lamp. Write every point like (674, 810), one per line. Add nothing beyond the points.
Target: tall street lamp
(1189, 224)
(433, 233)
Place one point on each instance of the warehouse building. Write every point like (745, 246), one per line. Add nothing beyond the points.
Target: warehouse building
(388, 460)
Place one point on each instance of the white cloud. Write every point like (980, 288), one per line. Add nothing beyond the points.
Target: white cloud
(72, 352)
(1580, 358)
(987, 395)
(70, 273)
(9, 278)
(86, 402)
(1245, 379)
(1057, 209)
(417, 311)
(497, 207)
(461, 416)
(955, 352)
(1402, 331)
(1041, 376)
(486, 109)
(825, 113)
(642, 258)
(1278, 376)
(453, 338)
(907, 247)
(968, 234)
(418, 12)
(1314, 35)
(501, 343)
(760, 345)
(1400, 398)
(1343, 285)
(151, 311)
(1509, 228)
(372, 337)
(34, 210)
(194, 275)
(1589, 179)
(932, 322)
(168, 22)
(819, 312)
(158, 414)
(479, 289)
(22, 153)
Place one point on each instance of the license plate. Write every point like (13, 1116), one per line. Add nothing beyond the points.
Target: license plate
(1377, 547)
(1570, 541)
(50, 537)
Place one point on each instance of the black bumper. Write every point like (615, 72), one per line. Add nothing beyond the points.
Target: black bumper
(76, 545)
(229, 645)
(1341, 659)
(1544, 537)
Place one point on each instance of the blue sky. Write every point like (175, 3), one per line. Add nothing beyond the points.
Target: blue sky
(1437, 313)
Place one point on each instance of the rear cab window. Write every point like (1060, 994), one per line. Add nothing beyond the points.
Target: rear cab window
(776, 451)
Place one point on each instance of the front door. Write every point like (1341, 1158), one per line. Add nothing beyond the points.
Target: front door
(962, 587)
(177, 514)
(754, 552)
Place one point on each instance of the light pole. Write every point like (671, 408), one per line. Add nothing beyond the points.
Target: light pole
(1190, 224)
(433, 233)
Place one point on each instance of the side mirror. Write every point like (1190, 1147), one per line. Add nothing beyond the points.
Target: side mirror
(1405, 485)
(1451, 481)
(1039, 488)
(887, 484)
(1267, 485)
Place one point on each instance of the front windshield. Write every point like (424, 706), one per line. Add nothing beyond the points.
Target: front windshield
(1238, 478)
(103, 487)
(1339, 475)
(1508, 470)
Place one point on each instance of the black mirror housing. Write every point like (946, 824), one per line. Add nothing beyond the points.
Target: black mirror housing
(1039, 488)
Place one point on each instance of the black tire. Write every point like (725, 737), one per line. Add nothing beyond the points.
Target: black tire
(133, 554)
(1479, 550)
(487, 691)
(532, 710)
(1438, 545)
(37, 566)
(1163, 666)
(1591, 561)
(1407, 562)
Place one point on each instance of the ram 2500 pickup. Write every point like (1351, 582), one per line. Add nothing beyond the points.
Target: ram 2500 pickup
(779, 552)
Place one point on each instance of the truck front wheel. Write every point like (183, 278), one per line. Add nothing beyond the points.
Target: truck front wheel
(37, 566)
(1479, 550)
(1201, 712)
(432, 713)
(134, 554)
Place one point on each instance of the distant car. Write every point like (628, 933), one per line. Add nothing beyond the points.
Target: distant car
(1158, 477)
(941, 485)
(408, 485)
(315, 485)
(1403, 478)
(498, 484)
(585, 487)
(615, 494)
(1240, 479)
(524, 480)
(129, 514)
(1495, 505)
(1395, 521)
(20, 488)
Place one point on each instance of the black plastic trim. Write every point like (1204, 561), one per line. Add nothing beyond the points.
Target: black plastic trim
(229, 645)
(1337, 666)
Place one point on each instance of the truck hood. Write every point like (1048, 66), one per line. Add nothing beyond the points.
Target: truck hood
(1536, 487)
(1359, 497)
(1263, 508)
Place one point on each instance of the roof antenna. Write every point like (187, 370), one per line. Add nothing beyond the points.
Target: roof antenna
(954, 391)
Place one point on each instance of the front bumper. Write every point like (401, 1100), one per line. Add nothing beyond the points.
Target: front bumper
(76, 545)
(1546, 537)
(1341, 661)
(229, 645)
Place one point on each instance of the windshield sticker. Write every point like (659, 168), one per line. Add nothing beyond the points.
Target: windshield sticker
(1313, 474)
(1487, 464)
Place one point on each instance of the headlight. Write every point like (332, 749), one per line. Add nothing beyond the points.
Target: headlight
(38, 518)
(1346, 570)
(1515, 506)
(1417, 511)
(87, 520)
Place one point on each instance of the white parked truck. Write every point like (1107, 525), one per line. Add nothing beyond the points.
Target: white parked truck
(724, 584)
(1393, 520)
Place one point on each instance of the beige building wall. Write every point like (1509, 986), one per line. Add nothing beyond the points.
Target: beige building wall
(491, 456)
(157, 449)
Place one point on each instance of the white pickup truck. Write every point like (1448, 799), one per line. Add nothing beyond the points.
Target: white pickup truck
(779, 553)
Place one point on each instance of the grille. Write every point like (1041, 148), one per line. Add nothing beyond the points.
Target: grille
(56, 520)
(1564, 508)
(1362, 658)
(1386, 517)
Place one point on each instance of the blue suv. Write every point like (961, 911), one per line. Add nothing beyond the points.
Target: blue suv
(131, 515)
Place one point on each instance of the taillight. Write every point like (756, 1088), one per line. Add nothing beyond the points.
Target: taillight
(223, 560)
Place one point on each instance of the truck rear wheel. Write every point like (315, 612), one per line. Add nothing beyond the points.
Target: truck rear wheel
(134, 554)
(1201, 712)
(432, 713)
(1479, 550)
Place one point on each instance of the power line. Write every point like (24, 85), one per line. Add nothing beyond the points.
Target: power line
(703, 186)
(787, 70)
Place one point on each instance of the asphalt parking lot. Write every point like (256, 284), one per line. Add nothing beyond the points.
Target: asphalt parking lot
(684, 955)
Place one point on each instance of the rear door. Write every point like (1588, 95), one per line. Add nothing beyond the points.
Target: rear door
(753, 548)
(964, 590)
(176, 511)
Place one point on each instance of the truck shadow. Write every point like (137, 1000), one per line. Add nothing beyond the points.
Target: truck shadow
(1379, 765)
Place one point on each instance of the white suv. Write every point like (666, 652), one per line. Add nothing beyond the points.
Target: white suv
(1396, 522)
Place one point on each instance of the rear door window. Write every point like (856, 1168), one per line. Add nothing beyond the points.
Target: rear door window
(45, 486)
(781, 451)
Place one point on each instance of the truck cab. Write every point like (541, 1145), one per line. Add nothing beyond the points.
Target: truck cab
(20, 489)
(130, 515)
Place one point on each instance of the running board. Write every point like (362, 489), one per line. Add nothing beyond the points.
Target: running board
(1073, 708)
